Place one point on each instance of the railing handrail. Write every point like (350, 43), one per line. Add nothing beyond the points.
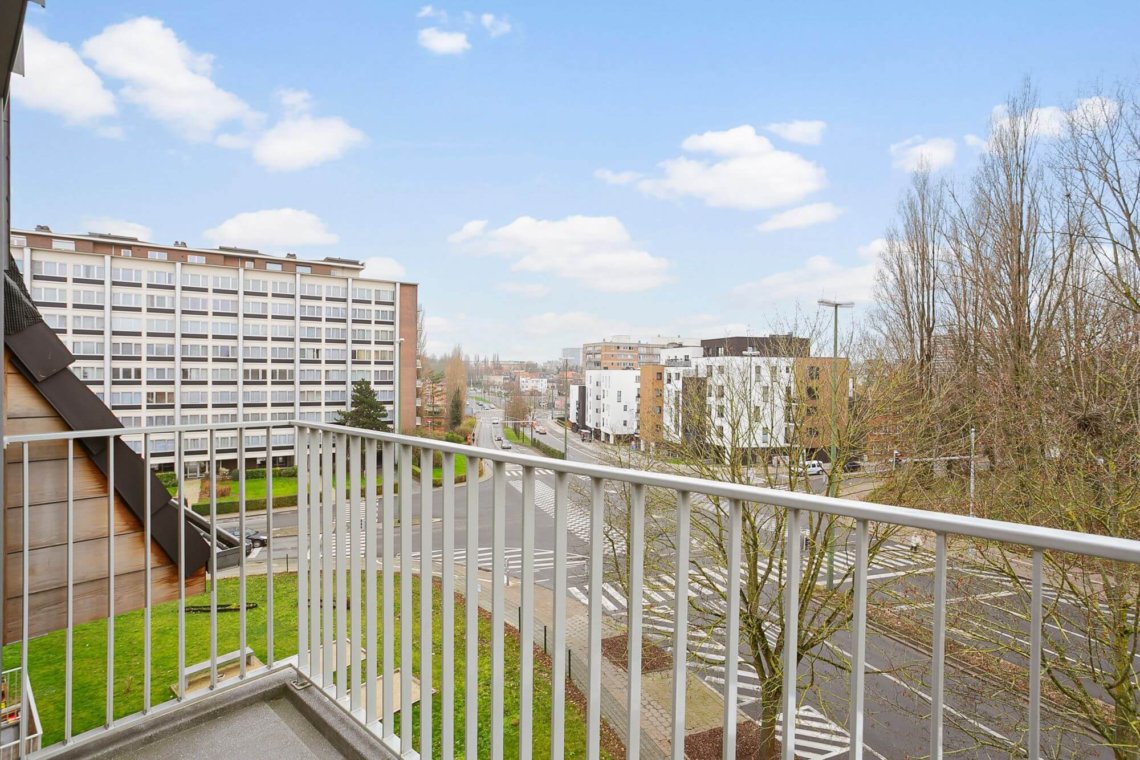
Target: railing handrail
(1034, 536)
(1089, 544)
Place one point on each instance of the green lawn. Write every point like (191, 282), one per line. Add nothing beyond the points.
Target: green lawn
(46, 665)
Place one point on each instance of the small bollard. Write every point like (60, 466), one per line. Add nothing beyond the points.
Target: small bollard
(544, 638)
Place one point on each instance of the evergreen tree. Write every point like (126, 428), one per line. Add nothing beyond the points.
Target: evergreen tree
(455, 410)
(367, 412)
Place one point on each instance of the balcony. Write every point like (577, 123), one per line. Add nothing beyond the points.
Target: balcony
(590, 640)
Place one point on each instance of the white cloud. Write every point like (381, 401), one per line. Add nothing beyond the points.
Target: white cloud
(436, 324)
(495, 26)
(595, 250)
(468, 231)
(112, 226)
(58, 81)
(575, 325)
(443, 43)
(300, 140)
(802, 216)
(616, 178)
(168, 80)
(280, 227)
(806, 132)
(525, 289)
(821, 276)
(1050, 122)
(383, 268)
(428, 11)
(751, 175)
(917, 153)
(975, 142)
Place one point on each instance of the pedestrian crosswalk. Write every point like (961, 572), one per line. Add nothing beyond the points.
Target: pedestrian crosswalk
(513, 559)
(516, 470)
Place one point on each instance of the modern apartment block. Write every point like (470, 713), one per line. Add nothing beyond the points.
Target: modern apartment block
(178, 335)
(612, 403)
(621, 352)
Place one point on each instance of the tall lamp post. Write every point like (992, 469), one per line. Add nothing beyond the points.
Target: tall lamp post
(832, 479)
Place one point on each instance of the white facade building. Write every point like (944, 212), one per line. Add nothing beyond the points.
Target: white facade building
(612, 399)
(173, 335)
(533, 385)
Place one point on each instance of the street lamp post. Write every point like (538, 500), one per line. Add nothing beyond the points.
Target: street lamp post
(832, 479)
(565, 410)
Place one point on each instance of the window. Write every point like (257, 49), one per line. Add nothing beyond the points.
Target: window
(160, 397)
(310, 289)
(124, 274)
(126, 398)
(813, 372)
(120, 323)
(256, 308)
(161, 374)
(385, 295)
(361, 335)
(88, 271)
(255, 375)
(283, 288)
(361, 315)
(225, 397)
(225, 328)
(126, 373)
(255, 329)
(195, 374)
(87, 297)
(195, 397)
(282, 397)
(49, 268)
(361, 374)
(254, 397)
(225, 374)
(310, 310)
(224, 352)
(385, 375)
(126, 349)
(195, 326)
(282, 331)
(129, 299)
(310, 332)
(281, 375)
(310, 397)
(156, 255)
(335, 396)
(227, 305)
(310, 353)
(304, 269)
(161, 350)
(159, 325)
(126, 252)
(194, 419)
(335, 375)
(159, 420)
(195, 258)
(386, 334)
(18, 241)
(254, 352)
(272, 266)
(56, 321)
(159, 301)
(63, 245)
(196, 350)
(87, 373)
(385, 315)
(195, 303)
(362, 294)
(49, 295)
(335, 312)
(160, 277)
(336, 333)
(284, 352)
(335, 291)
(361, 355)
(385, 354)
(256, 286)
(225, 417)
(283, 309)
(225, 282)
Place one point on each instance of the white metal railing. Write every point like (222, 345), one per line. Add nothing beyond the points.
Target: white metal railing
(16, 701)
(356, 491)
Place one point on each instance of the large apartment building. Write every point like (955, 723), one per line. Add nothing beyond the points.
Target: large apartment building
(178, 335)
(621, 352)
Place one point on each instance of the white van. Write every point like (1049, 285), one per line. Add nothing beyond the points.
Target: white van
(811, 467)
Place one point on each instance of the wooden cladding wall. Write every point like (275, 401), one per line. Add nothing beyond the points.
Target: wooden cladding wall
(28, 412)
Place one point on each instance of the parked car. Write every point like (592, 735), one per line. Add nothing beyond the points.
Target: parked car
(256, 537)
(811, 467)
(852, 465)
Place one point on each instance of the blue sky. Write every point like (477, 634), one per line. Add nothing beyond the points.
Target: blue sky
(549, 173)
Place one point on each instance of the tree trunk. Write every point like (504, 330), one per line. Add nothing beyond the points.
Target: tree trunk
(771, 691)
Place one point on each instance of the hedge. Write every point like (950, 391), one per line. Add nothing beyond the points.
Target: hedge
(258, 473)
(251, 505)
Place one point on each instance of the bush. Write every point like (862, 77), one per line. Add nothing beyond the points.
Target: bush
(251, 505)
(168, 479)
(454, 438)
(258, 473)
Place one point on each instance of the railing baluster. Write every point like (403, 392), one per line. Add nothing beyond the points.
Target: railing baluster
(447, 627)
(372, 614)
(732, 627)
(213, 454)
(426, 460)
(388, 627)
(558, 670)
(356, 528)
(303, 608)
(471, 635)
(680, 625)
(498, 571)
(858, 641)
(69, 655)
(406, 567)
(342, 547)
(327, 550)
(110, 718)
(594, 642)
(25, 606)
(180, 463)
(147, 598)
(1034, 739)
(791, 631)
(316, 556)
(241, 554)
(634, 611)
(526, 619)
(938, 663)
(270, 659)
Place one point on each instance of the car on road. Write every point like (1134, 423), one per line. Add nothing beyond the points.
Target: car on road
(505, 445)
(495, 422)
(498, 439)
(256, 537)
(540, 429)
(811, 467)
(852, 465)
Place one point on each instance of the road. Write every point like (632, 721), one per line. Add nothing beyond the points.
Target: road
(897, 699)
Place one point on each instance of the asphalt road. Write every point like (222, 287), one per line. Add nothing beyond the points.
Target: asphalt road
(897, 699)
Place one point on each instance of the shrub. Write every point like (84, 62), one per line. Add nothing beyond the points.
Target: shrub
(168, 479)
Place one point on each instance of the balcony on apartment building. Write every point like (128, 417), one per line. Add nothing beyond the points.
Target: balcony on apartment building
(359, 620)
